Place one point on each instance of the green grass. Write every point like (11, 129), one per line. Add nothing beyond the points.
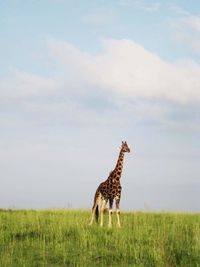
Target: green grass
(63, 238)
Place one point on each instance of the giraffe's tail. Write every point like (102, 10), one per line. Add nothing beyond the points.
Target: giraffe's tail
(97, 214)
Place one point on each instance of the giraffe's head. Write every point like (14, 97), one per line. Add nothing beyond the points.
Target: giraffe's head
(125, 147)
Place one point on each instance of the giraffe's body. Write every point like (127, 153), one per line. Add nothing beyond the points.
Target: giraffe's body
(110, 189)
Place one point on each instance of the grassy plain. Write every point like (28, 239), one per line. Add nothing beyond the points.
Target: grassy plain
(63, 238)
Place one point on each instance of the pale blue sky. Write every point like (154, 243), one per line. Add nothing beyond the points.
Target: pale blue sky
(77, 78)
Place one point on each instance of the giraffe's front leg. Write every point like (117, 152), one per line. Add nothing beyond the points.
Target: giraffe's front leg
(118, 211)
(103, 204)
(110, 212)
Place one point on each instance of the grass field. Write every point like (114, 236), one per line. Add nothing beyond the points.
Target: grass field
(63, 238)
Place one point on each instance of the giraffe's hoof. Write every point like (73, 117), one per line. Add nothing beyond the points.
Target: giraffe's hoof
(90, 223)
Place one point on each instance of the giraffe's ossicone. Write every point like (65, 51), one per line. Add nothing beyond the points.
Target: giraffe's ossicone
(110, 190)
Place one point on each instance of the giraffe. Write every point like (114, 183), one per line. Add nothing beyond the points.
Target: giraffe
(110, 190)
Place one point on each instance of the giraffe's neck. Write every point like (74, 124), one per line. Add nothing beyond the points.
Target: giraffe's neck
(119, 165)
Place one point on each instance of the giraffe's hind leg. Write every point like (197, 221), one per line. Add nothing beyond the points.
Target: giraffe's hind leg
(110, 212)
(95, 206)
(103, 204)
(118, 210)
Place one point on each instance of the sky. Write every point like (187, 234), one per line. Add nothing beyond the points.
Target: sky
(79, 77)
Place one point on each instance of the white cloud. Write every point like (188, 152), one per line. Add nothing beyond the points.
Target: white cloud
(98, 19)
(23, 85)
(192, 21)
(187, 31)
(150, 7)
(140, 4)
(127, 69)
(123, 69)
(178, 10)
(137, 85)
(187, 23)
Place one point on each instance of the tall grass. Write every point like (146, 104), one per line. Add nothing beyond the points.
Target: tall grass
(63, 238)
